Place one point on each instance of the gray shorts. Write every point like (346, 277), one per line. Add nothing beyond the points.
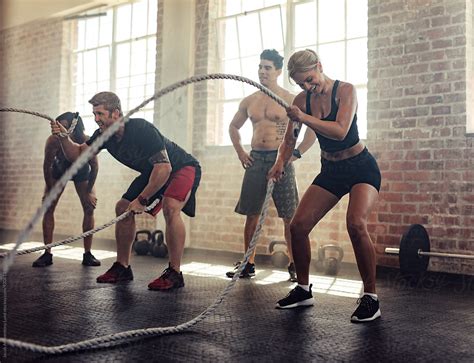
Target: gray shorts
(254, 186)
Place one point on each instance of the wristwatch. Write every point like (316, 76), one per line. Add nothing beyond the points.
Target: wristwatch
(143, 201)
(297, 153)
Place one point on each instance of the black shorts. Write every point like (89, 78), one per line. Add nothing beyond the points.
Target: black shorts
(59, 168)
(338, 177)
(140, 182)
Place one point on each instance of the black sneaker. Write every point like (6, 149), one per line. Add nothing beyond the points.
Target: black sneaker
(367, 310)
(169, 279)
(248, 271)
(116, 273)
(296, 297)
(292, 272)
(44, 260)
(88, 259)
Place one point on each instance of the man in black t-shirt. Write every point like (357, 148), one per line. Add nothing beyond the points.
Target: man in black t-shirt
(167, 172)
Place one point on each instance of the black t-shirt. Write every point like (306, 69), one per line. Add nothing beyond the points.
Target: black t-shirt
(140, 142)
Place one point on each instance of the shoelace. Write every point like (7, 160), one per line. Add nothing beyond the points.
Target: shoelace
(365, 301)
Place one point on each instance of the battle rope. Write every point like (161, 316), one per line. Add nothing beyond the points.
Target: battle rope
(115, 339)
(106, 134)
(42, 115)
(126, 336)
(85, 234)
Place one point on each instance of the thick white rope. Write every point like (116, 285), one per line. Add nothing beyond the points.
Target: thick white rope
(130, 335)
(83, 235)
(118, 338)
(105, 135)
(42, 115)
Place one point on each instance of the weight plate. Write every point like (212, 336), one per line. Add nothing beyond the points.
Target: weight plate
(414, 239)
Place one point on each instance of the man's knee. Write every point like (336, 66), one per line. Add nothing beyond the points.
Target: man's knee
(121, 206)
(171, 208)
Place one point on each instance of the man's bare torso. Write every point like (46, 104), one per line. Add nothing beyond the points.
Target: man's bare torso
(269, 119)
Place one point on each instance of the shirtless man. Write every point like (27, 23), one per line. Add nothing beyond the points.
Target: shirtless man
(269, 122)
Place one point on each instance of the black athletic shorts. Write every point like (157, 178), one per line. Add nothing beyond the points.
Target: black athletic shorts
(338, 177)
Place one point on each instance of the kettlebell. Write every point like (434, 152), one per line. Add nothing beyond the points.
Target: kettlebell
(279, 256)
(330, 258)
(142, 246)
(159, 248)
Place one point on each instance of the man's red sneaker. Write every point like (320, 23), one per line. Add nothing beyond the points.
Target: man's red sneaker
(169, 279)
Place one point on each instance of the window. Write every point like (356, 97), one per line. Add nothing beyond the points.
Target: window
(116, 52)
(242, 37)
(336, 29)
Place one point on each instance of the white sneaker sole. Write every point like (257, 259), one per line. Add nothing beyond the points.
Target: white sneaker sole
(377, 315)
(307, 302)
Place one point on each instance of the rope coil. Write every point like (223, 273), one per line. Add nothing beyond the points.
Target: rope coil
(118, 338)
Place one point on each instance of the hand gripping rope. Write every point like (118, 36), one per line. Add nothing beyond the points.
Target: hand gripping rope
(42, 115)
(120, 338)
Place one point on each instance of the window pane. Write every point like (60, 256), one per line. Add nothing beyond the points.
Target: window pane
(92, 31)
(89, 124)
(102, 86)
(106, 23)
(122, 28)
(232, 89)
(305, 24)
(249, 34)
(331, 20)
(357, 61)
(139, 80)
(103, 64)
(273, 2)
(139, 19)
(151, 56)
(272, 32)
(123, 60)
(90, 63)
(333, 60)
(228, 38)
(122, 83)
(152, 16)
(233, 7)
(250, 67)
(79, 69)
(81, 34)
(138, 57)
(249, 5)
(362, 112)
(357, 18)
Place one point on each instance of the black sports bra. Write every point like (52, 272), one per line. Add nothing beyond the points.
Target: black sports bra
(331, 145)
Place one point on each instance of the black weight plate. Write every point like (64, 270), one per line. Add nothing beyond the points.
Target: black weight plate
(414, 239)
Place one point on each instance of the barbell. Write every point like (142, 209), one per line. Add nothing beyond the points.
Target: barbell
(414, 252)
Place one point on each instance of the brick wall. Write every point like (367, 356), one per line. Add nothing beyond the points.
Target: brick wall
(418, 92)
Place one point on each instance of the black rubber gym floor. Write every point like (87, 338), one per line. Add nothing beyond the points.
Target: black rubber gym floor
(431, 320)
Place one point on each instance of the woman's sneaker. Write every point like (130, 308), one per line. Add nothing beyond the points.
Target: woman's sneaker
(169, 279)
(117, 273)
(367, 310)
(296, 297)
(46, 259)
(247, 272)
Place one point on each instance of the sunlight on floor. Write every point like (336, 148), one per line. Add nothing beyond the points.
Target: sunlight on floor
(69, 252)
(321, 284)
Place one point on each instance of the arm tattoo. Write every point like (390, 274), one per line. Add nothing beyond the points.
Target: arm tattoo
(161, 157)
